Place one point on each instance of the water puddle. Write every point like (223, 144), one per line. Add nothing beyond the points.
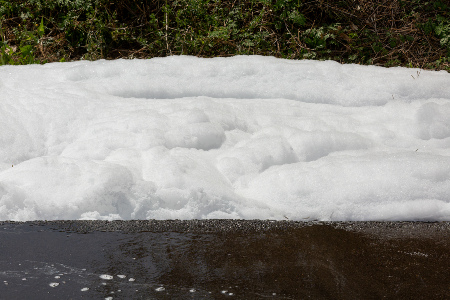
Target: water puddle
(318, 261)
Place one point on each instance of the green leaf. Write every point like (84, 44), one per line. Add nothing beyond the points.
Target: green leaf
(297, 18)
(392, 43)
(41, 28)
(26, 50)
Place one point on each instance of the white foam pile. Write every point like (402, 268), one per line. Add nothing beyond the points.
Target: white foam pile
(246, 137)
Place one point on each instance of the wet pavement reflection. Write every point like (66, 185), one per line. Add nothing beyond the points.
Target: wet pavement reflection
(51, 260)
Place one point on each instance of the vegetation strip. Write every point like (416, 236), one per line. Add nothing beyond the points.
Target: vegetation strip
(386, 33)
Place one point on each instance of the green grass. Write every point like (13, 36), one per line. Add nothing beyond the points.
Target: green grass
(387, 33)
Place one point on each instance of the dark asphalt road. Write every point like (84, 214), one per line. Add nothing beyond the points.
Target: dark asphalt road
(215, 259)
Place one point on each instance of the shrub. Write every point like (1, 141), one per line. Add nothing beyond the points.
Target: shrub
(388, 32)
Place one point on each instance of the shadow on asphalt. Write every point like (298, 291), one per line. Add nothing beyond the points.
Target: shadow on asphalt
(214, 259)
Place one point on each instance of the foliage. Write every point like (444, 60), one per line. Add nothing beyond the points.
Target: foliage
(387, 32)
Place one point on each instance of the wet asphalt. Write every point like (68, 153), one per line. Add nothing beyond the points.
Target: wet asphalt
(224, 259)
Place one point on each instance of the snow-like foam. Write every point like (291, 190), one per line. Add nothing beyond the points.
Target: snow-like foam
(242, 137)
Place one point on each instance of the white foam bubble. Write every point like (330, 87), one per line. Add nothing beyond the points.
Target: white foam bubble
(243, 137)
